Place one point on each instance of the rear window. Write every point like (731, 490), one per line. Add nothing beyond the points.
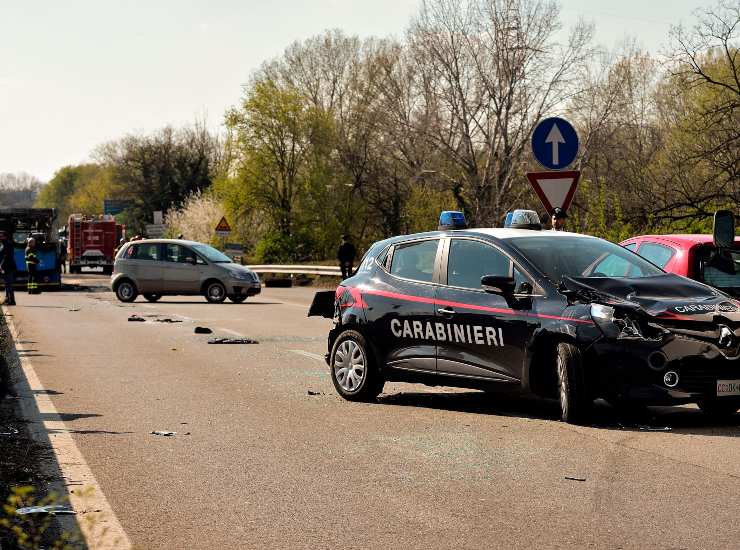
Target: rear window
(144, 251)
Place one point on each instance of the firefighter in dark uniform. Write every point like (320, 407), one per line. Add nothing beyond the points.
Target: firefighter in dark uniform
(346, 255)
(7, 266)
(32, 263)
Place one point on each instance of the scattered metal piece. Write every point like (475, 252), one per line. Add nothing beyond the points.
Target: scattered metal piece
(9, 431)
(53, 509)
(167, 320)
(655, 428)
(575, 478)
(136, 319)
(232, 341)
(202, 330)
(163, 433)
(311, 392)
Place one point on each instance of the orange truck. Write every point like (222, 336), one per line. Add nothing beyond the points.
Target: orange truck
(92, 242)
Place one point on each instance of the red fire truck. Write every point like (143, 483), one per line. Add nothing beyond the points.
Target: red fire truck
(92, 242)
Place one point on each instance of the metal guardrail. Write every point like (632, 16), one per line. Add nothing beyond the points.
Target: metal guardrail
(298, 269)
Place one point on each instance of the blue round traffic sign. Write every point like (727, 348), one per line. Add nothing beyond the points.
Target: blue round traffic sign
(555, 143)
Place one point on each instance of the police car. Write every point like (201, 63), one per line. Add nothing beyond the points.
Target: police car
(550, 313)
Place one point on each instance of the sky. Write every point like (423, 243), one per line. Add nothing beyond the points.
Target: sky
(78, 73)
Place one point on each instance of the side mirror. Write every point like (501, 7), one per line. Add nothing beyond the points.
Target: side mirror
(498, 285)
(724, 229)
(190, 260)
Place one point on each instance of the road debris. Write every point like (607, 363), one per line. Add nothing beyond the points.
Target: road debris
(575, 478)
(74, 309)
(655, 428)
(136, 319)
(232, 341)
(167, 320)
(311, 392)
(163, 433)
(53, 509)
(202, 330)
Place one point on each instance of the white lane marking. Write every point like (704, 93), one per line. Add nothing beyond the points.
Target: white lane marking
(101, 528)
(308, 354)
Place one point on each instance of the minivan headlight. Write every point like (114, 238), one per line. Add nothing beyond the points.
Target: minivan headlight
(242, 275)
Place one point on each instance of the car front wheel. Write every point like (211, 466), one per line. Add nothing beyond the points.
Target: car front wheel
(575, 402)
(215, 292)
(353, 370)
(126, 291)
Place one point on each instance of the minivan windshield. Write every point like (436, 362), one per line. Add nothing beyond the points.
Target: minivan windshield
(211, 254)
(558, 257)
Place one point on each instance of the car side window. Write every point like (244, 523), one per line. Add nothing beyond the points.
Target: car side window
(147, 251)
(415, 260)
(470, 260)
(178, 254)
(656, 253)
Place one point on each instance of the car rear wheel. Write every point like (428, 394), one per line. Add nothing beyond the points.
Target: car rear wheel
(353, 370)
(126, 291)
(152, 297)
(215, 292)
(237, 299)
(720, 407)
(575, 401)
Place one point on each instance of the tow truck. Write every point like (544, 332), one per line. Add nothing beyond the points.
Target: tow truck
(38, 223)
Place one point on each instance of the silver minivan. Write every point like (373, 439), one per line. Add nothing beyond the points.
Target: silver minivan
(169, 267)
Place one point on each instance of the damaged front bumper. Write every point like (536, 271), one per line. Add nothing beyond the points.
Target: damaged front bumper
(670, 366)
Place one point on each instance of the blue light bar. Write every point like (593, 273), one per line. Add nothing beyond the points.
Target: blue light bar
(452, 219)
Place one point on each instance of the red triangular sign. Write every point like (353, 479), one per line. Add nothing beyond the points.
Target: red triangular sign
(555, 189)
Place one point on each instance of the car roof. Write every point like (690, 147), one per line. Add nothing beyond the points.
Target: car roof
(682, 239)
(503, 233)
(165, 241)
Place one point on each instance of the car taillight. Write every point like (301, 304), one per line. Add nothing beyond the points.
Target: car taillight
(347, 296)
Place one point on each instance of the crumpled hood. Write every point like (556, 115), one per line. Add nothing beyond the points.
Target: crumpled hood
(666, 296)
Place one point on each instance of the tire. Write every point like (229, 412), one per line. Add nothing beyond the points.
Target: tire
(238, 299)
(719, 407)
(215, 292)
(353, 370)
(152, 297)
(126, 291)
(575, 401)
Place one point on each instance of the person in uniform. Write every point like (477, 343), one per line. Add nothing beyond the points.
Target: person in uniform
(346, 255)
(32, 264)
(558, 219)
(7, 266)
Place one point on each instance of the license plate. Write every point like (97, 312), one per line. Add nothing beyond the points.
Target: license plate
(728, 387)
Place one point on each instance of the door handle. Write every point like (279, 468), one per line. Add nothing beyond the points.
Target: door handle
(446, 311)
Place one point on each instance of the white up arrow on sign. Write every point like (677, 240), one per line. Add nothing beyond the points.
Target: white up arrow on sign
(555, 138)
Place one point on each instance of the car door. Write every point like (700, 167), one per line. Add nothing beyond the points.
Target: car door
(400, 305)
(181, 272)
(149, 266)
(480, 334)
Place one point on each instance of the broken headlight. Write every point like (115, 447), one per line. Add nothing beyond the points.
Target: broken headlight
(613, 326)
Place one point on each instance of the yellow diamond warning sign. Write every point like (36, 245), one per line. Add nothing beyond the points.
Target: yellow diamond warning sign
(223, 227)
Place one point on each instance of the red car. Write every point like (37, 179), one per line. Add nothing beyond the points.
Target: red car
(691, 256)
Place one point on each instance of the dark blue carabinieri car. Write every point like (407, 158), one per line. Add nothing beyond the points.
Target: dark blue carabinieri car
(550, 313)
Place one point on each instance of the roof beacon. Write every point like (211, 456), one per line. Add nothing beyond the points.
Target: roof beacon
(524, 219)
(451, 219)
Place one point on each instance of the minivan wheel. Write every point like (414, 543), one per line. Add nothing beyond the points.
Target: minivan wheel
(215, 292)
(353, 370)
(238, 298)
(126, 291)
(152, 297)
(575, 401)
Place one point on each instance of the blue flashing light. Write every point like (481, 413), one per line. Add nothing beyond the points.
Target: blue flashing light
(507, 221)
(451, 219)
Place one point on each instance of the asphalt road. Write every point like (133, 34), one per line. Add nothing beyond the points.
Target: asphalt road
(266, 465)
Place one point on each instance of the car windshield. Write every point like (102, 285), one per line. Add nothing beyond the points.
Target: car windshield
(566, 256)
(211, 254)
(720, 270)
